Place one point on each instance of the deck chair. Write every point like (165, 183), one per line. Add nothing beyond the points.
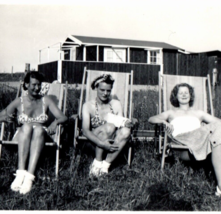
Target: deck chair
(58, 93)
(122, 90)
(203, 101)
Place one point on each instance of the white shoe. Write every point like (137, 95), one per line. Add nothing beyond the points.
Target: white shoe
(27, 184)
(218, 191)
(95, 168)
(16, 184)
(103, 171)
(105, 168)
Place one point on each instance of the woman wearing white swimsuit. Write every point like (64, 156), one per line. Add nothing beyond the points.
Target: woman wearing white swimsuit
(184, 125)
(32, 115)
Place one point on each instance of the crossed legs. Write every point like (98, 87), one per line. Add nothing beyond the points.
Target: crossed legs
(30, 144)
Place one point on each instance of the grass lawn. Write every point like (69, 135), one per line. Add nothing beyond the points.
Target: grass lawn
(180, 187)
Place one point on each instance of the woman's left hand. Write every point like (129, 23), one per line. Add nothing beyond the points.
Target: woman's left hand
(52, 128)
(131, 123)
(128, 124)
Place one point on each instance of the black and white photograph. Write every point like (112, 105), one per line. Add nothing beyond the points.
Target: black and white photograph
(110, 105)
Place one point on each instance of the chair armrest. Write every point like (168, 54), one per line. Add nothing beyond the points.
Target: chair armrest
(159, 129)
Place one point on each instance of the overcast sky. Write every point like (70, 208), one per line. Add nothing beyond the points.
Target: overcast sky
(26, 28)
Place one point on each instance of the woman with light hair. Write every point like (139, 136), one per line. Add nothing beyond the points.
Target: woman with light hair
(104, 125)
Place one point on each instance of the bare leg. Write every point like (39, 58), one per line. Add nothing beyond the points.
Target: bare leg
(103, 133)
(183, 155)
(216, 160)
(37, 144)
(122, 136)
(24, 138)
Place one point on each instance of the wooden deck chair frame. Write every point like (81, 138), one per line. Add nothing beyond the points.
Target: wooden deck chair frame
(160, 135)
(62, 99)
(128, 90)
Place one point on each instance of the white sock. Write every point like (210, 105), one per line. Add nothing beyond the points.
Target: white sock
(105, 166)
(27, 184)
(97, 163)
(16, 184)
(218, 190)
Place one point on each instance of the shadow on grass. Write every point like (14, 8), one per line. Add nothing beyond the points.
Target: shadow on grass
(160, 200)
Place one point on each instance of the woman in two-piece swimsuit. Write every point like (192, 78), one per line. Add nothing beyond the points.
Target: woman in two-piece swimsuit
(32, 115)
(105, 136)
(183, 124)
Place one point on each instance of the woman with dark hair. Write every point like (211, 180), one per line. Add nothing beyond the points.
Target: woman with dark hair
(108, 137)
(31, 111)
(183, 124)
(173, 97)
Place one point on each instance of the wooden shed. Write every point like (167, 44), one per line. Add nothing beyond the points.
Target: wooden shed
(145, 58)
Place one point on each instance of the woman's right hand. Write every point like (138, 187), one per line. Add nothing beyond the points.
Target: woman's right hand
(10, 118)
(108, 145)
(169, 128)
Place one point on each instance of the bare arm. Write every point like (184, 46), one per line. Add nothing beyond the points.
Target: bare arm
(208, 118)
(86, 126)
(3, 115)
(8, 114)
(58, 114)
(162, 119)
(118, 108)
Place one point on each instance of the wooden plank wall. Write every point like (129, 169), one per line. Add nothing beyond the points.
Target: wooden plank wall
(143, 74)
(185, 64)
(138, 55)
(169, 62)
(49, 70)
(192, 64)
(174, 63)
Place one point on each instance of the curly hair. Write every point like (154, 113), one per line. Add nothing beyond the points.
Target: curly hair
(173, 96)
(107, 78)
(32, 74)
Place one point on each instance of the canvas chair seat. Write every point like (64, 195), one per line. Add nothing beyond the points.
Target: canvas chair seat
(202, 101)
(58, 93)
(122, 89)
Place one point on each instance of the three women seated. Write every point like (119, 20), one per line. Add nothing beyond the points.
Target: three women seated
(105, 126)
